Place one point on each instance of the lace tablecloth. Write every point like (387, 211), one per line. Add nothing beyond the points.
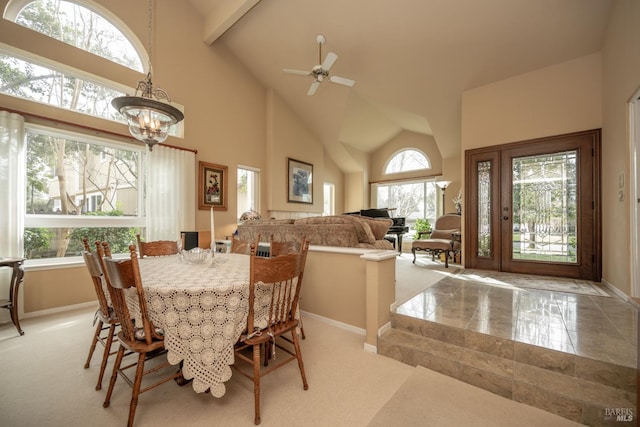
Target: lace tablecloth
(203, 311)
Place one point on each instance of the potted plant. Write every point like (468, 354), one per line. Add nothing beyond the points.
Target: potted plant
(422, 227)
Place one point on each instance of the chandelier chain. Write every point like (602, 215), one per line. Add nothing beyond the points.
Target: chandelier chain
(150, 33)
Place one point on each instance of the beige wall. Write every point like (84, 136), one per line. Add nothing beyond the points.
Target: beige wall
(356, 187)
(621, 79)
(559, 99)
(351, 286)
(565, 98)
(46, 289)
(288, 138)
(335, 176)
(406, 139)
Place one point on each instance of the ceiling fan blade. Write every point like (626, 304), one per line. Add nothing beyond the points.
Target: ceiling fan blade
(298, 72)
(313, 88)
(329, 61)
(341, 80)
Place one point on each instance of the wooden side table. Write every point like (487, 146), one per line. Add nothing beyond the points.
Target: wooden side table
(17, 277)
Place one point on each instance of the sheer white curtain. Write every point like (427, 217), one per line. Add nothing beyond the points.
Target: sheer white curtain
(170, 192)
(12, 152)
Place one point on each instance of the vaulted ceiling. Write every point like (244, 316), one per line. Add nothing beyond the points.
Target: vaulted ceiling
(411, 59)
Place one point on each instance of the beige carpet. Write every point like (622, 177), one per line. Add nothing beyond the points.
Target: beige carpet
(44, 384)
(412, 278)
(431, 399)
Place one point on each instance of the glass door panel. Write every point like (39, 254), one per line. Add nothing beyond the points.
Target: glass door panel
(534, 207)
(545, 207)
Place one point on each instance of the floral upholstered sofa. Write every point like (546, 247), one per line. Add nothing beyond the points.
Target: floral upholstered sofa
(337, 230)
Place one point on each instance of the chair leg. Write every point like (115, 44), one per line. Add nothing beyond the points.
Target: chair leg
(137, 382)
(105, 355)
(446, 259)
(256, 383)
(114, 376)
(94, 341)
(302, 329)
(296, 345)
(267, 352)
(413, 251)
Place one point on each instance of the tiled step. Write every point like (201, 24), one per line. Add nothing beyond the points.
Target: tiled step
(574, 387)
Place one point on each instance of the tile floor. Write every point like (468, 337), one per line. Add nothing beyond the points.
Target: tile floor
(595, 327)
(570, 354)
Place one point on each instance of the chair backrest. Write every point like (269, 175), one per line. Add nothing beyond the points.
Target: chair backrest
(448, 222)
(284, 248)
(444, 229)
(94, 265)
(123, 275)
(239, 246)
(157, 247)
(281, 278)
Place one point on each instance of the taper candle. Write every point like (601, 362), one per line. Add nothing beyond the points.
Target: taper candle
(212, 227)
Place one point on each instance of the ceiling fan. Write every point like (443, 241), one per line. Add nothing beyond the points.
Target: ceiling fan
(321, 71)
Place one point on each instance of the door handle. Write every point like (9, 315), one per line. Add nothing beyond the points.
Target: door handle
(505, 217)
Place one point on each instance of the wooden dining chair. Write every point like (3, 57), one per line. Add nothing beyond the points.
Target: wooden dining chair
(157, 247)
(283, 248)
(278, 280)
(239, 246)
(105, 316)
(144, 339)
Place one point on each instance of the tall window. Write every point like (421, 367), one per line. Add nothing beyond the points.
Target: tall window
(329, 206)
(412, 199)
(26, 76)
(76, 185)
(248, 189)
(71, 193)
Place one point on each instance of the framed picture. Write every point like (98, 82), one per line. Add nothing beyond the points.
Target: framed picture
(212, 186)
(300, 181)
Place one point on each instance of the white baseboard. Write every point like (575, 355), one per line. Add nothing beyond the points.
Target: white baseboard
(57, 310)
(619, 293)
(384, 328)
(337, 324)
(370, 348)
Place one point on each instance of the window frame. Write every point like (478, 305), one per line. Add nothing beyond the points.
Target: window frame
(255, 198)
(398, 153)
(331, 189)
(82, 221)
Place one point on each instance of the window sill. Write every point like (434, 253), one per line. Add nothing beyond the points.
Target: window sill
(58, 263)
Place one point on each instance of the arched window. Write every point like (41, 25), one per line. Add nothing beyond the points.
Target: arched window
(407, 160)
(409, 199)
(82, 24)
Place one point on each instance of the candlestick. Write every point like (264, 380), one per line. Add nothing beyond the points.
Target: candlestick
(212, 227)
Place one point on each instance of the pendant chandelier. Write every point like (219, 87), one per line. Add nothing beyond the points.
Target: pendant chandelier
(149, 118)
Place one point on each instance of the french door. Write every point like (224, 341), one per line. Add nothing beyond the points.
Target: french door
(534, 207)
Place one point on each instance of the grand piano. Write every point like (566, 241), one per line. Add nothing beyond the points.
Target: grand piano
(398, 228)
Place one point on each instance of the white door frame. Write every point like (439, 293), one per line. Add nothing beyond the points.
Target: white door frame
(634, 192)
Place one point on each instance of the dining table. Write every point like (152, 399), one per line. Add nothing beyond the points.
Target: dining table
(202, 310)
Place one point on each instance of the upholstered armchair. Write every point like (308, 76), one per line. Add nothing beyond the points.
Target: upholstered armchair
(445, 237)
